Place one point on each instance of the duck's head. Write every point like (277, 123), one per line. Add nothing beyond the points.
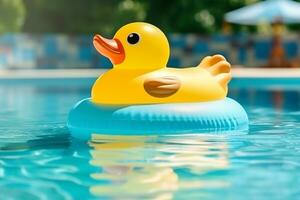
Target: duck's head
(135, 46)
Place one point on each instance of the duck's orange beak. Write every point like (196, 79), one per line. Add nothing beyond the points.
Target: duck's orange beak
(112, 49)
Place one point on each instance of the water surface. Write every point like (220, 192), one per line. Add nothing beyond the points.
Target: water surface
(39, 159)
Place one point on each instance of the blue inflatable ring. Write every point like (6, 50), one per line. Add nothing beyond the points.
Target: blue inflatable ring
(87, 118)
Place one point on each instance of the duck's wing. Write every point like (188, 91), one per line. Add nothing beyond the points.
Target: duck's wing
(162, 86)
(218, 67)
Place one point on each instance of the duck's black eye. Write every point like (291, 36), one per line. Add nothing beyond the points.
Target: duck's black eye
(133, 38)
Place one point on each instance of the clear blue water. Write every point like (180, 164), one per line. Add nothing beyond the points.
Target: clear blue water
(39, 159)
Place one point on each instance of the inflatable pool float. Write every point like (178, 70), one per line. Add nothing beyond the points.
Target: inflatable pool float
(140, 95)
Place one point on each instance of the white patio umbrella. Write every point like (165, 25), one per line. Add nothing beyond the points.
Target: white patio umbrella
(270, 11)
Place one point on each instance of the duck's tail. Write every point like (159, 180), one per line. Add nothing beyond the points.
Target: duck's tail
(218, 67)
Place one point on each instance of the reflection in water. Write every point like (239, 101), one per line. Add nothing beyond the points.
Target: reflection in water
(280, 99)
(155, 167)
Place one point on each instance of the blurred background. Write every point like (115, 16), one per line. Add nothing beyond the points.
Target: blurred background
(40, 34)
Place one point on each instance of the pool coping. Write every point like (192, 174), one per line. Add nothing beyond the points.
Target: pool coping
(94, 73)
(242, 77)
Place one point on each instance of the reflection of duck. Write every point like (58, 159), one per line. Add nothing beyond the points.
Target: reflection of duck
(126, 170)
(131, 168)
(139, 52)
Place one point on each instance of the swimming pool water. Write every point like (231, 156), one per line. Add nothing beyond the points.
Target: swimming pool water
(39, 159)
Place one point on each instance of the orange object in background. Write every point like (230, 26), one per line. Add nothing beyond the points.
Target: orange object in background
(277, 55)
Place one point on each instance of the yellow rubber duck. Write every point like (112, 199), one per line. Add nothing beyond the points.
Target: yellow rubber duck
(139, 52)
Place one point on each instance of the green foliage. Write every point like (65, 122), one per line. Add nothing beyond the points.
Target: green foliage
(185, 16)
(78, 16)
(90, 16)
(105, 16)
(12, 14)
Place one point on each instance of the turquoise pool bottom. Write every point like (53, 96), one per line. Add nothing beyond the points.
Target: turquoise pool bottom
(39, 159)
(87, 118)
